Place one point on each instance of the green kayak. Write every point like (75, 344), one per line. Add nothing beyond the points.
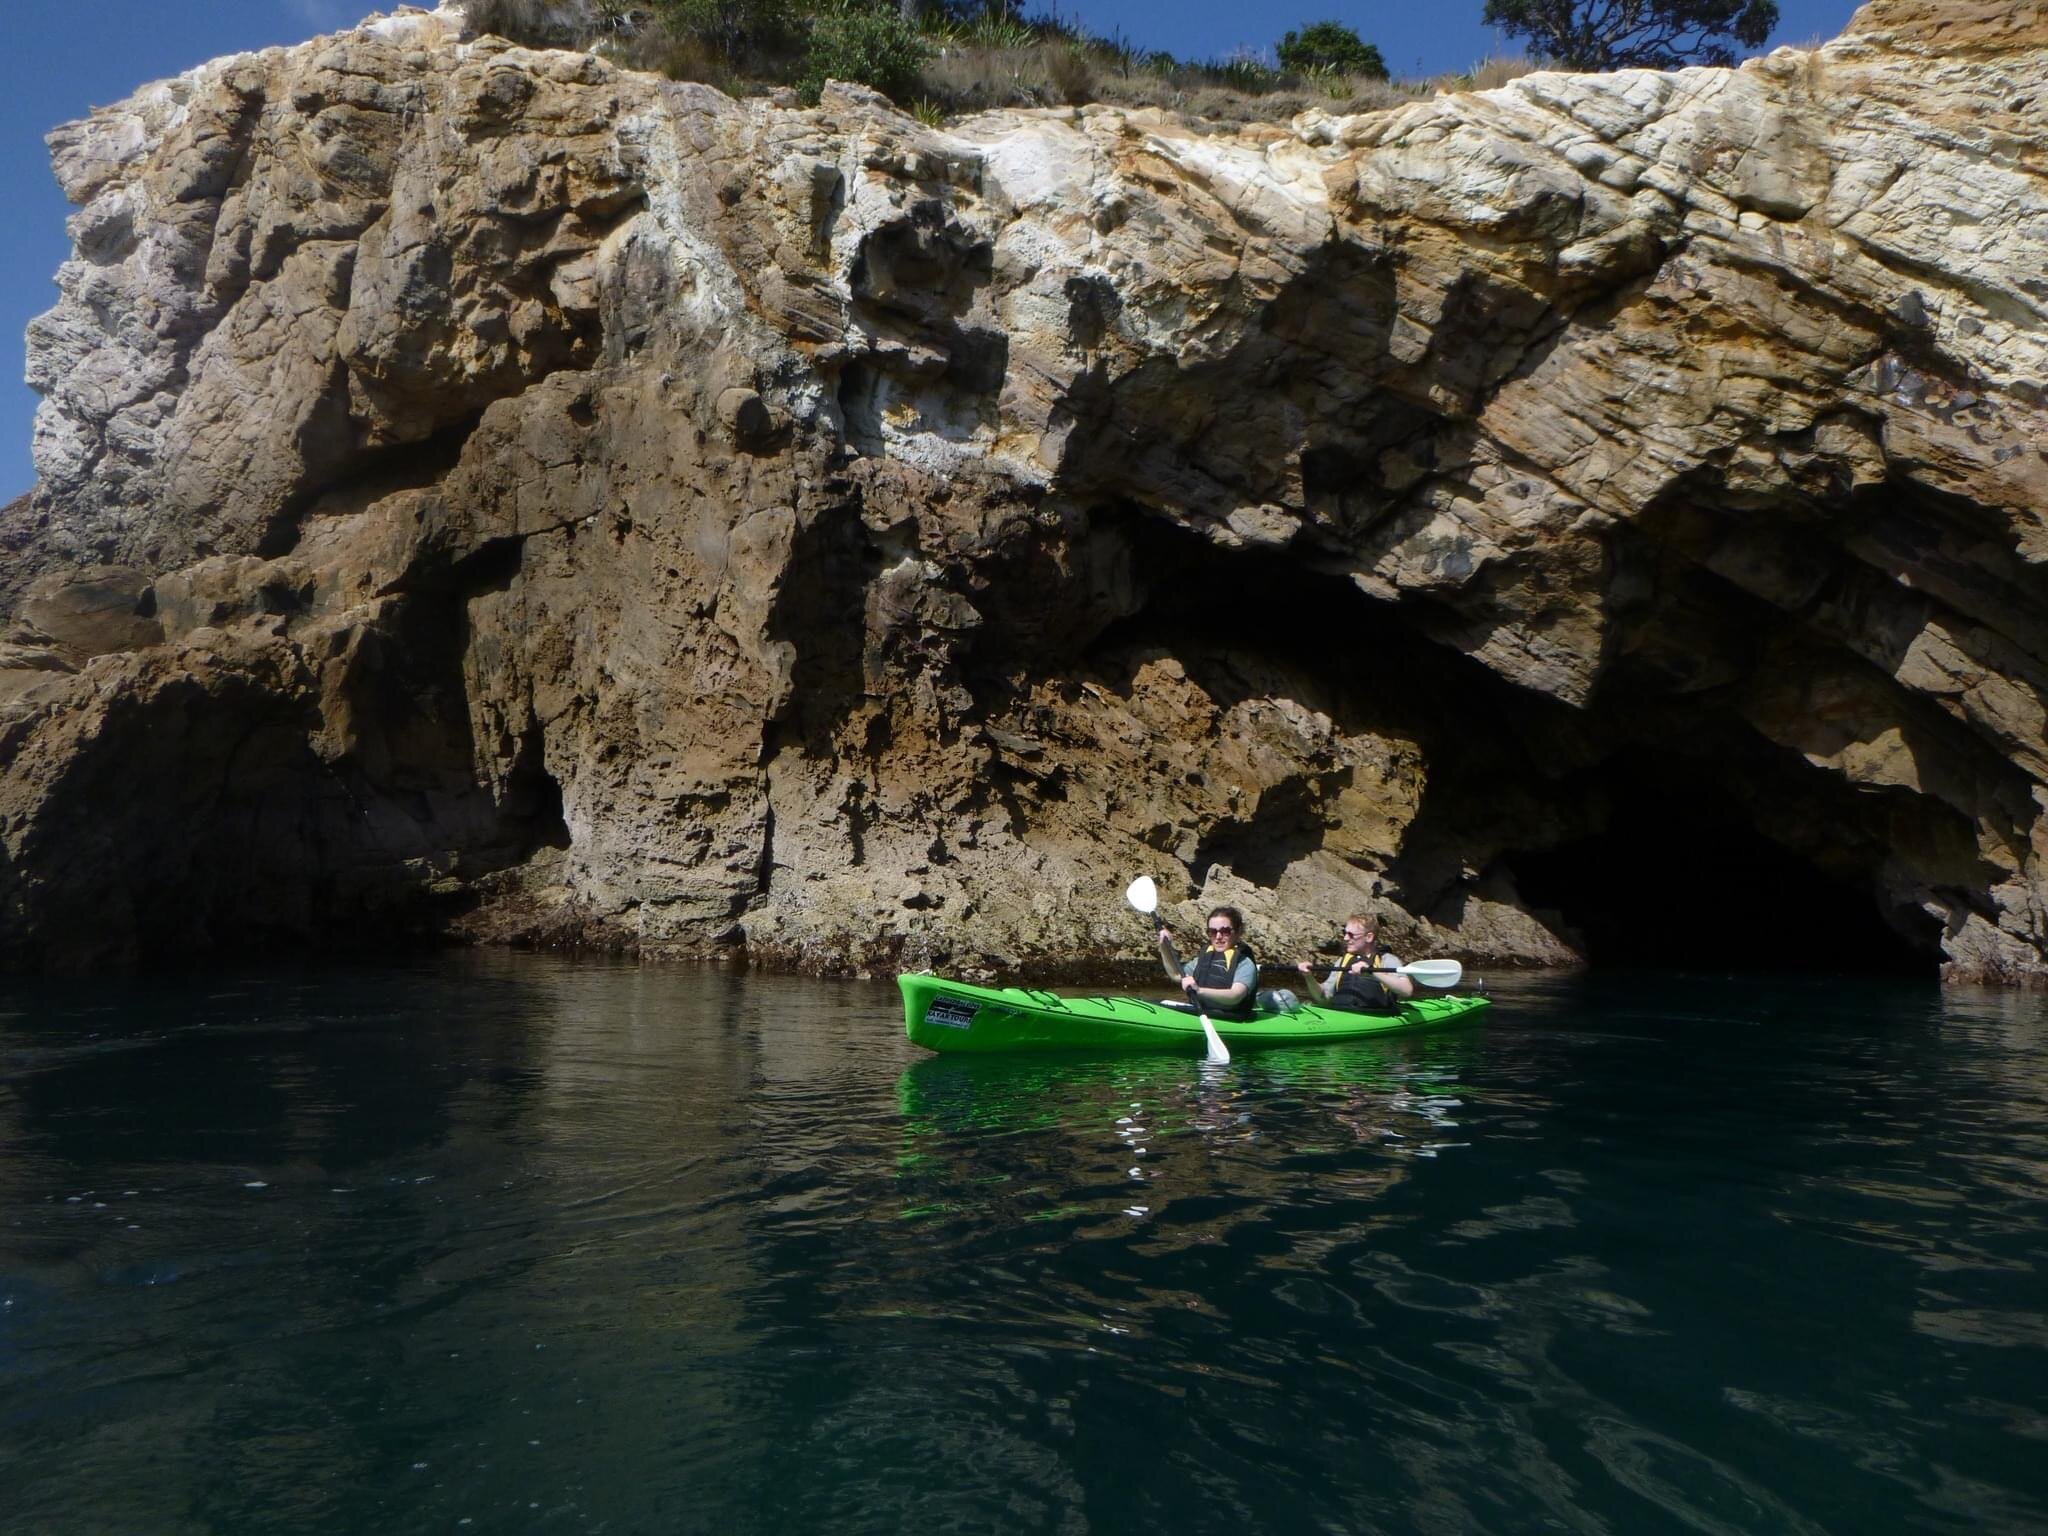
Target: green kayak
(951, 1016)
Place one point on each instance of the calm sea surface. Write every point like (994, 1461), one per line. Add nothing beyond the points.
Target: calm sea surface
(513, 1244)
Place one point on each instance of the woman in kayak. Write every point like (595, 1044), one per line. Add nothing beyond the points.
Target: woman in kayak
(1366, 980)
(1222, 979)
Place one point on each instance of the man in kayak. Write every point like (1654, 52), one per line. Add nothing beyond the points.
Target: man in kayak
(1222, 979)
(1366, 979)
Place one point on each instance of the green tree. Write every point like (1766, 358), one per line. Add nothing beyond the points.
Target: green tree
(1330, 46)
(1636, 34)
(873, 47)
(733, 28)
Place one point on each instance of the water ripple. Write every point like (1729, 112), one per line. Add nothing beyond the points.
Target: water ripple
(531, 1245)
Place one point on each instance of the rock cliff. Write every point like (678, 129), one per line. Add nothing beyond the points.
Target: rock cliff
(485, 491)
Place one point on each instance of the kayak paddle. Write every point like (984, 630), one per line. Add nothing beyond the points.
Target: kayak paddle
(1144, 895)
(1432, 973)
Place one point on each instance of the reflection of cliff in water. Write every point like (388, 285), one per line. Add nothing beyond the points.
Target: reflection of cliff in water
(345, 1210)
(319, 1069)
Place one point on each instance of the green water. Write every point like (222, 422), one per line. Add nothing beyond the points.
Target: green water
(510, 1244)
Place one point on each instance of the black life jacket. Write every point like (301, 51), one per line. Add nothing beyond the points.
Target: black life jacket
(1216, 968)
(1360, 991)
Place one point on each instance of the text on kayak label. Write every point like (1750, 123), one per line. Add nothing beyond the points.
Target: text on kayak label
(951, 1012)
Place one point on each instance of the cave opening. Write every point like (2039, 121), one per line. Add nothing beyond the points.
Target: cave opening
(1674, 872)
(1679, 878)
(531, 809)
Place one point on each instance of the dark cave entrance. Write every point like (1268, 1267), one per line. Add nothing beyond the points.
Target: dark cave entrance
(1682, 880)
(1678, 878)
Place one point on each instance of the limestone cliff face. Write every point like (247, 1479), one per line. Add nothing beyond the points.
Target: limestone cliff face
(487, 490)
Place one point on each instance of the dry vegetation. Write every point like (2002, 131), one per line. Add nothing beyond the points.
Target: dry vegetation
(969, 66)
(970, 78)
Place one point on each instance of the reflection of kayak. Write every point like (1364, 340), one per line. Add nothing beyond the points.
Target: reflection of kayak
(944, 1015)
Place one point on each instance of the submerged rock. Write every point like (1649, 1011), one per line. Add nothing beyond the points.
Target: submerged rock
(487, 491)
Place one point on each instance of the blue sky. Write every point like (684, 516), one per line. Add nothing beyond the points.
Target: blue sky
(64, 59)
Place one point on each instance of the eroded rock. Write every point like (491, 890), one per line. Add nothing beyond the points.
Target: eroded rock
(625, 515)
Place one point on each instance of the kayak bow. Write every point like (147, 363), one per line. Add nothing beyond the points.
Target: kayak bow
(955, 1016)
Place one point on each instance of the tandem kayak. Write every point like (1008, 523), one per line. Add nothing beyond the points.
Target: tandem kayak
(953, 1016)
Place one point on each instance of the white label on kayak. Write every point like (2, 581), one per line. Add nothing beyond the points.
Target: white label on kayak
(951, 1012)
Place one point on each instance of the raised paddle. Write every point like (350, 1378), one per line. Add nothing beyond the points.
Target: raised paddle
(1142, 894)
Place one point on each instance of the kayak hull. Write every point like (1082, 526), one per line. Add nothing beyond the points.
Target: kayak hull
(958, 1017)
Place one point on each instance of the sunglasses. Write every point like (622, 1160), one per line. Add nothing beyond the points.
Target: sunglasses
(1223, 928)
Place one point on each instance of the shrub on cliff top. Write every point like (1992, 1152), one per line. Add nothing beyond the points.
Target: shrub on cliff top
(874, 47)
(1330, 47)
(737, 31)
(557, 23)
(1636, 34)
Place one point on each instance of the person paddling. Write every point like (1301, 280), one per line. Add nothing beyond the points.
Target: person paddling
(1224, 978)
(1366, 979)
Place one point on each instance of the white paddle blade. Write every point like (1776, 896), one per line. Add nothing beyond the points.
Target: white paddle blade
(1219, 1053)
(1143, 894)
(1435, 973)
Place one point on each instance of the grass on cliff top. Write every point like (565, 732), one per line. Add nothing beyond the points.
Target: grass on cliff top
(943, 66)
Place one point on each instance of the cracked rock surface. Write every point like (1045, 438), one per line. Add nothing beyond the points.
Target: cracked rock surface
(489, 492)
